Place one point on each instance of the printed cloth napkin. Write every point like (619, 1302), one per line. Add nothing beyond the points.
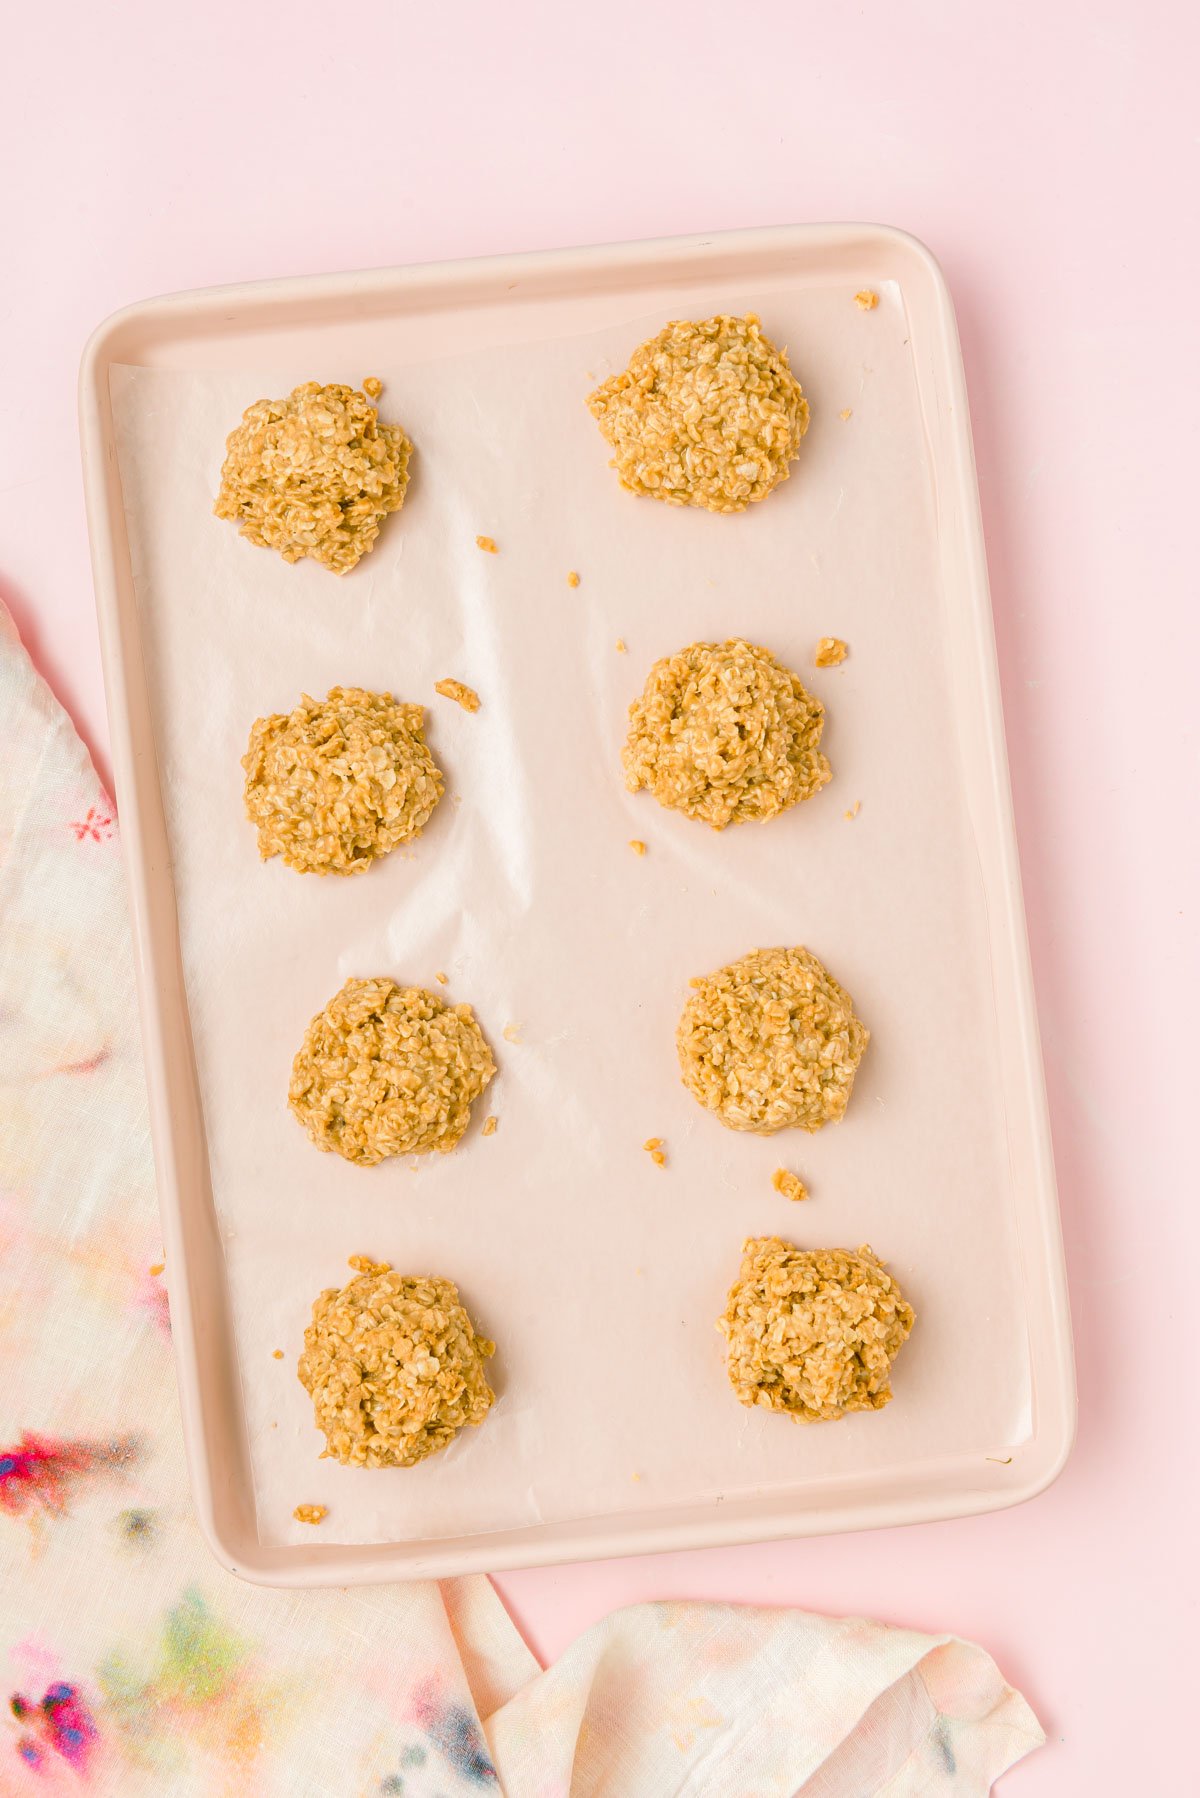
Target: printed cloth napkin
(135, 1666)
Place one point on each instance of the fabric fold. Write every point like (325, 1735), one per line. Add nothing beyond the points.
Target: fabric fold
(696, 1699)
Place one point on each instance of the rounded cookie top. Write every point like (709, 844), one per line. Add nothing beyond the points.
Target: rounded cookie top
(335, 783)
(393, 1366)
(707, 413)
(771, 1042)
(725, 733)
(813, 1332)
(314, 474)
(388, 1070)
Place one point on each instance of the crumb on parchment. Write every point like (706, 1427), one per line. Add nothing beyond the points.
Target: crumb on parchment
(461, 694)
(488, 544)
(867, 298)
(277, 1354)
(653, 1146)
(372, 386)
(637, 845)
(789, 1184)
(310, 1513)
(511, 1033)
(830, 651)
(854, 810)
(158, 1268)
(442, 979)
(490, 1126)
(573, 578)
(848, 413)
(621, 647)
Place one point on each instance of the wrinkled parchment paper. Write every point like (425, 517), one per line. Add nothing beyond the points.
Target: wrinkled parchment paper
(598, 1274)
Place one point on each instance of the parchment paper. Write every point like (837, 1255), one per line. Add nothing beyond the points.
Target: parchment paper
(598, 1274)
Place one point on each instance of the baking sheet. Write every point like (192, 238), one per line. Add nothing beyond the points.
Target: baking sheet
(598, 1274)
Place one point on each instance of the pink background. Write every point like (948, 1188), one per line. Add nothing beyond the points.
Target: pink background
(1035, 148)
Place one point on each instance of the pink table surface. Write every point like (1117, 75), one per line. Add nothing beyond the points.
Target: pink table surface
(1036, 148)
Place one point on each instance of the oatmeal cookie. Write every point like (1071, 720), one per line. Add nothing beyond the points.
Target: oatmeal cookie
(393, 1366)
(813, 1332)
(771, 1042)
(725, 733)
(314, 475)
(706, 414)
(388, 1070)
(334, 783)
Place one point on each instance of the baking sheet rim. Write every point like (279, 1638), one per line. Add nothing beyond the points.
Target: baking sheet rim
(160, 984)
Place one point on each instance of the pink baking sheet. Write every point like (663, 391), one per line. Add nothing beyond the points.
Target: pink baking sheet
(598, 1274)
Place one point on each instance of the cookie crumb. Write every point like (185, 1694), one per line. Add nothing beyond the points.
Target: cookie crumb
(637, 845)
(867, 298)
(848, 413)
(653, 1146)
(511, 1033)
(158, 1268)
(310, 1513)
(830, 651)
(372, 387)
(490, 1126)
(488, 544)
(635, 1477)
(854, 809)
(363, 1264)
(462, 695)
(573, 578)
(277, 1354)
(621, 645)
(790, 1185)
